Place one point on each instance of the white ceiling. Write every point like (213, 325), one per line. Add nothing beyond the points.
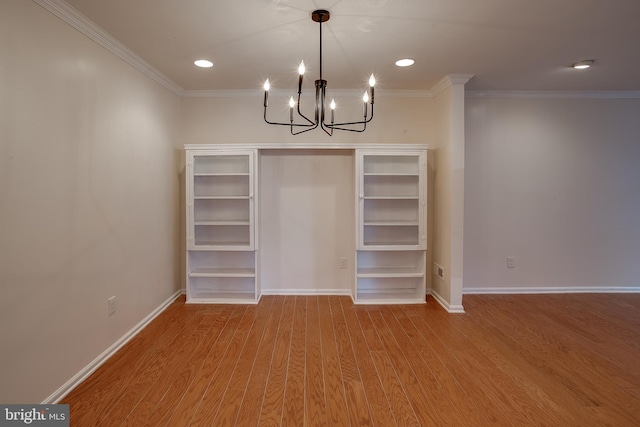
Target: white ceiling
(507, 44)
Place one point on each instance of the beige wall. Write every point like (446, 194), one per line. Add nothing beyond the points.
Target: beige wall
(555, 184)
(88, 200)
(239, 120)
(307, 221)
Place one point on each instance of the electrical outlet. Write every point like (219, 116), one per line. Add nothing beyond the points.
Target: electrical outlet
(343, 263)
(438, 270)
(112, 305)
(511, 262)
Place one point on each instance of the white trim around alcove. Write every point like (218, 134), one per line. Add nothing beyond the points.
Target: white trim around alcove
(306, 146)
(307, 292)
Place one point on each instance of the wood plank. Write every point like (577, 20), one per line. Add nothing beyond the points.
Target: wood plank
(356, 399)
(274, 394)
(293, 408)
(232, 399)
(544, 360)
(185, 409)
(473, 383)
(336, 403)
(576, 366)
(206, 334)
(208, 406)
(413, 387)
(447, 386)
(381, 413)
(392, 384)
(252, 401)
(315, 410)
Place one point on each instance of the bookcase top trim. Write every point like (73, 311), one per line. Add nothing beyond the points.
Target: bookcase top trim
(306, 146)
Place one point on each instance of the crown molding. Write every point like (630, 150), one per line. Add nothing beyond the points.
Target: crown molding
(531, 94)
(87, 27)
(448, 81)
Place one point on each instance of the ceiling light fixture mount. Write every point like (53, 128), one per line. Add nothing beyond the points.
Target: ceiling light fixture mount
(406, 62)
(203, 63)
(307, 124)
(583, 64)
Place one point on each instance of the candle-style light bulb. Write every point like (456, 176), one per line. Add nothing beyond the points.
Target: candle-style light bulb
(292, 104)
(266, 92)
(332, 105)
(372, 83)
(301, 73)
(365, 99)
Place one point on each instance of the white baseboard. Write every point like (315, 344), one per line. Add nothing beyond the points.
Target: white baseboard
(454, 309)
(98, 361)
(553, 290)
(306, 292)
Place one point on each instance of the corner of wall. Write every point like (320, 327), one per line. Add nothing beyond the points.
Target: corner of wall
(448, 190)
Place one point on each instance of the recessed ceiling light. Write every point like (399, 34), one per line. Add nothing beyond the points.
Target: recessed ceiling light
(583, 64)
(203, 63)
(404, 62)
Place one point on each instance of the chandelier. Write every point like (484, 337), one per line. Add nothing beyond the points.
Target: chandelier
(327, 124)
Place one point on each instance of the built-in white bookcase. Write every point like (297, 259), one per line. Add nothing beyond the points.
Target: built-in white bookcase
(221, 259)
(222, 214)
(391, 226)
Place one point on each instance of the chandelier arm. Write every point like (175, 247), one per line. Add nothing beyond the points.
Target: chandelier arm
(294, 125)
(328, 130)
(338, 126)
(310, 125)
(364, 127)
(304, 130)
(361, 122)
(300, 112)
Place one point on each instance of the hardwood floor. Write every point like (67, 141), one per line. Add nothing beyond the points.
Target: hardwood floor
(539, 360)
